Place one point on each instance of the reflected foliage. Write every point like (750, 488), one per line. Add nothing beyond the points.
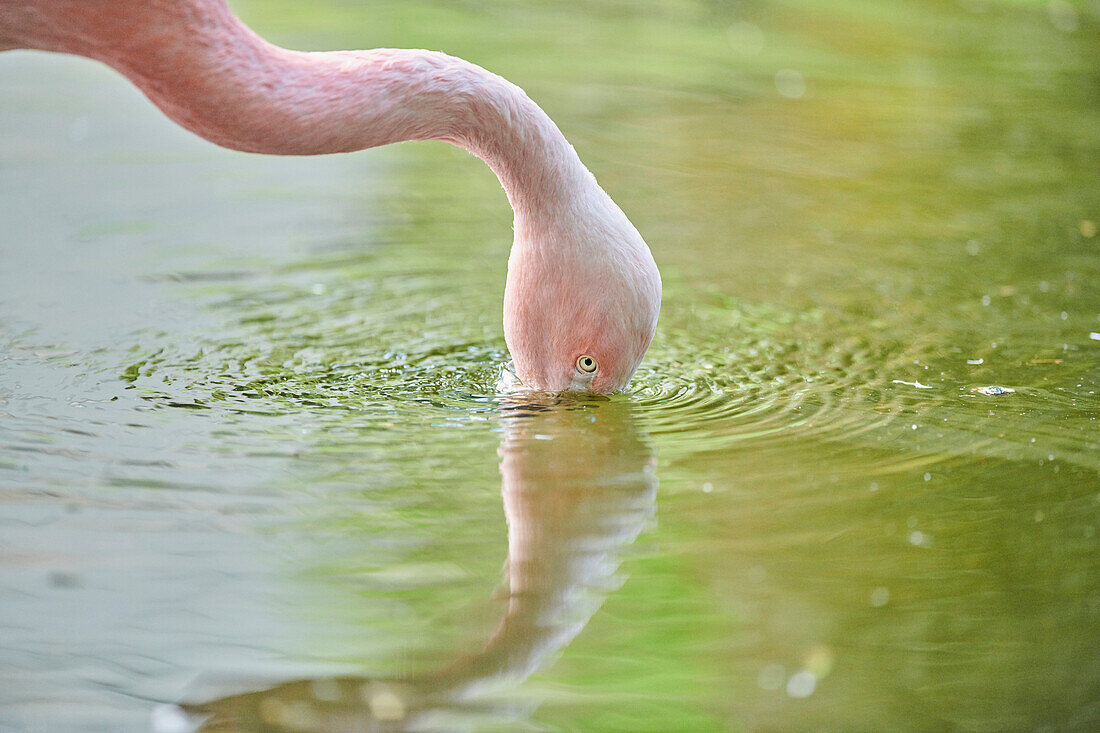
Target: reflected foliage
(250, 415)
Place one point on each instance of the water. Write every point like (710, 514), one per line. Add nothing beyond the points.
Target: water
(253, 458)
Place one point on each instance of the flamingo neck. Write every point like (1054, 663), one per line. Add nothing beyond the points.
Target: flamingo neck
(213, 75)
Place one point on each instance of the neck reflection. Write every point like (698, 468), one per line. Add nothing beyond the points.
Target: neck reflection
(578, 486)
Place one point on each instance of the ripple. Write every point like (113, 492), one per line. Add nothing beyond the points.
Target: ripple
(788, 379)
(777, 380)
(392, 349)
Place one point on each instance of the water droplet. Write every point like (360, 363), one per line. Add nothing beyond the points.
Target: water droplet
(790, 83)
(992, 390)
(880, 596)
(385, 705)
(801, 684)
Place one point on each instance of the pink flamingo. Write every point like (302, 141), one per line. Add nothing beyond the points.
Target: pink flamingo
(583, 292)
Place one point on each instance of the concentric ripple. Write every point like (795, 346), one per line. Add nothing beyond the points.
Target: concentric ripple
(782, 380)
(389, 346)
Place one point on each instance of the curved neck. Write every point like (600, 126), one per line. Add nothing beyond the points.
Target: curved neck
(210, 73)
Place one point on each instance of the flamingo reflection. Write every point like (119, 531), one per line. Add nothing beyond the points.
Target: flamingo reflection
(578, 485)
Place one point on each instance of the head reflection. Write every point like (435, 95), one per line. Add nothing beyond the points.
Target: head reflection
(578, 485)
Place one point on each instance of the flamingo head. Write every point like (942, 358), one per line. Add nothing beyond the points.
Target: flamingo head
(582, 299)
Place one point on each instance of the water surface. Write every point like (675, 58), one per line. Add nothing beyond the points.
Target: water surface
(253, 456)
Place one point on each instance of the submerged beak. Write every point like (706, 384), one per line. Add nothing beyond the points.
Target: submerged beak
(581, 382)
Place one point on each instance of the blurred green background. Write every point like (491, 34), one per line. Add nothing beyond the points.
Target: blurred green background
(250, 428)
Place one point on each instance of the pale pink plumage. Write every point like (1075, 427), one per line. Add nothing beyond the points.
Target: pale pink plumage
(580, 278)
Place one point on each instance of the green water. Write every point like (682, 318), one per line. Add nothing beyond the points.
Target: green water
(253, 456)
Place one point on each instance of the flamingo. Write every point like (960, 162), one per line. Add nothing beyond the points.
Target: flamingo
(583, 292)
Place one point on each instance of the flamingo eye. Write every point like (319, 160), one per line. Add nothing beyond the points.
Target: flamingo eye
(586, 364)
